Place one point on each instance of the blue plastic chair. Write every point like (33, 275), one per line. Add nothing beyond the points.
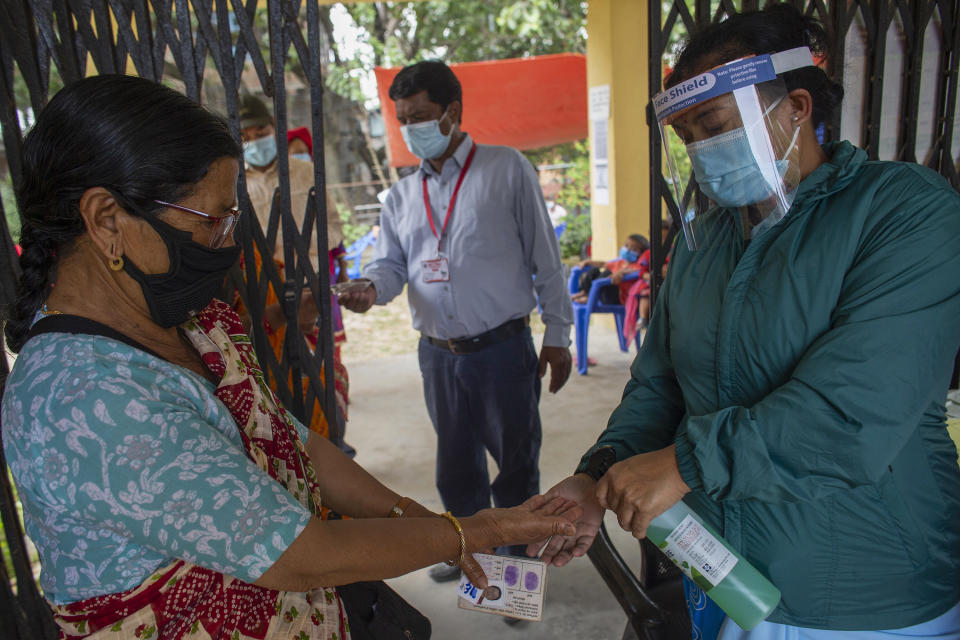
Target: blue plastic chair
(583, 310)
(354, 254)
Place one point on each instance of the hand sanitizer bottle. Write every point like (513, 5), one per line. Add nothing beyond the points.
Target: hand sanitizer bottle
(706, 558)
(725, 576)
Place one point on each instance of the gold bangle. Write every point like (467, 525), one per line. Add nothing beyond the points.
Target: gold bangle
(463, 541)
(397, 510)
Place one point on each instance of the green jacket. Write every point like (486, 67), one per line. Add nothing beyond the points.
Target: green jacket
(803, 379)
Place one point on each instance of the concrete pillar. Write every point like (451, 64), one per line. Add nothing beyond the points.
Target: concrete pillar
(617, 50)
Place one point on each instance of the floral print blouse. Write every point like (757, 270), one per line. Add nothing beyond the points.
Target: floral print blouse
(124, 462)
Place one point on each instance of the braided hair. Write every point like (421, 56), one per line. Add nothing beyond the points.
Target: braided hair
(137, 138)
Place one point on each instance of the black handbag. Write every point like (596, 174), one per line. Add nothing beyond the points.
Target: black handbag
(377, 612)
(588, 275)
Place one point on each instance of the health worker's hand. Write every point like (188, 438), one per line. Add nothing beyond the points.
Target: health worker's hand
(580, 489)
(640, 488)
(536, 519)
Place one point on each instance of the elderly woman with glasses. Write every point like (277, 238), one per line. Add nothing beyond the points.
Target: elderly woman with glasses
(166, 490)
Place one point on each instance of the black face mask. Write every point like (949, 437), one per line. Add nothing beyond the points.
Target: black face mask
(195, 277)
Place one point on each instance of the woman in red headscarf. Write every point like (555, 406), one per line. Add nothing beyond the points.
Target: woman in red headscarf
(300, 145)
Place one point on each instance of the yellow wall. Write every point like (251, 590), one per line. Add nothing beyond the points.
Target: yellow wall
(617, 42)
(91, 69)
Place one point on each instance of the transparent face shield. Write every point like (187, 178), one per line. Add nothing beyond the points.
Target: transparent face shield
(730, 132)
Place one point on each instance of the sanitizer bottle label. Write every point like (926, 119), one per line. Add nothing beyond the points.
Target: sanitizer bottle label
(700, 555)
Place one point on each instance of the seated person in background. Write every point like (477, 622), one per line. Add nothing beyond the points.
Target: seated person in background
(629, 261)
(167, 491)
(638, 297)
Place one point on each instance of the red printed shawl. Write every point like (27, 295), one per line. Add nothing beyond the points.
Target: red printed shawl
(184, 601)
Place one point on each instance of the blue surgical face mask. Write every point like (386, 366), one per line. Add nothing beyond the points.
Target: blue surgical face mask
(260, 152)
(628, 255)
(728, 172)
(302, 156)
(425, 140)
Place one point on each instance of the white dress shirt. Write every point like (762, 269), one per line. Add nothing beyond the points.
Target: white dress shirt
(499, 243)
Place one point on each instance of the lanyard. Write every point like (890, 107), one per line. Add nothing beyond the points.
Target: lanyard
(453, 198)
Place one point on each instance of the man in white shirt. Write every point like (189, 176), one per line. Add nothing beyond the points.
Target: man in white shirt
(469, 234)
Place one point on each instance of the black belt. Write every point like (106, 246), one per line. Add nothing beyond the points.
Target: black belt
(482, 341)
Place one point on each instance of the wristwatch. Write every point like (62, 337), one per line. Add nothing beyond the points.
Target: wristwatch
(600, 461)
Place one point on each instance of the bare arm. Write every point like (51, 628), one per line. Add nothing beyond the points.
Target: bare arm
(348, 488)
(330, 553)
(374, 546)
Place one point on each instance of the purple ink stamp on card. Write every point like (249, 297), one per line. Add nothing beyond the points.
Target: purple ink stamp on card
(531, 580)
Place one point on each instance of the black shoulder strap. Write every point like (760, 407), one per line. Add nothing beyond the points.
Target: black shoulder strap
(63, 323)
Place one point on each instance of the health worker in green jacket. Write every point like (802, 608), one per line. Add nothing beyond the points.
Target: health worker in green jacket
(792, 383)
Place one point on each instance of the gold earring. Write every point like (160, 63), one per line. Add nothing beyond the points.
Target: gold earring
(116, 264)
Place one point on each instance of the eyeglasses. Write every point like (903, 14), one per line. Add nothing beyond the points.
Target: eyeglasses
(223, 226)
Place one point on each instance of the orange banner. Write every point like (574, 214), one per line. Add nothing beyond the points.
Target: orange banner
(525, 103)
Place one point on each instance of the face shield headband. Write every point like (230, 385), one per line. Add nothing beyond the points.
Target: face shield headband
(744, 166)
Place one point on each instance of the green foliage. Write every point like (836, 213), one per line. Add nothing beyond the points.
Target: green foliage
(577, 232)
(351, 232)
(10, 208)
(399, 33)
(678, 153)
(575, 193)
(32, 556)
(22, 100)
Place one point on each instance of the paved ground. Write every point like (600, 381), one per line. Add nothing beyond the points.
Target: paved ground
(392, 433)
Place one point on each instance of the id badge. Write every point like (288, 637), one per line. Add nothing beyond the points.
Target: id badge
(436, 270)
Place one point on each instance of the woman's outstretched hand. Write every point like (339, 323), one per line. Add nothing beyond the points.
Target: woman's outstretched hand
(536, 519)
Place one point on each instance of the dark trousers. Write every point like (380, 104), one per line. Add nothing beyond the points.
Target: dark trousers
(486, 400)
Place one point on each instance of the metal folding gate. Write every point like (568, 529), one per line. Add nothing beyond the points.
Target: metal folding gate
(47, 41)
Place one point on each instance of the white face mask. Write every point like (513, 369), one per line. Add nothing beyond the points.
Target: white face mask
(302, 156)
(260, 152)
(425, 140)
